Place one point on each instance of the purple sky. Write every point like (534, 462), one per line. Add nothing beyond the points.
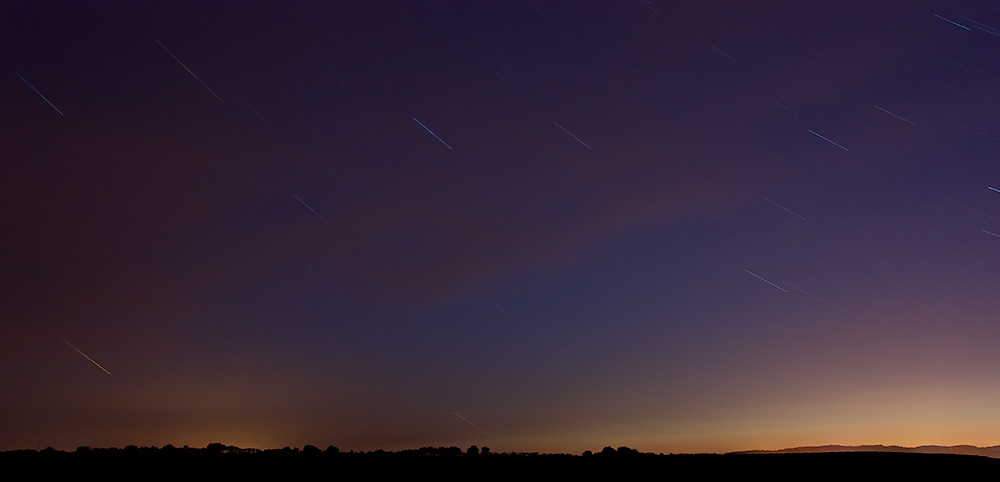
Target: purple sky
(677, 226)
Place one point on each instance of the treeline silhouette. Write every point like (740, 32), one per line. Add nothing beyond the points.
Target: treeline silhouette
(221, 460)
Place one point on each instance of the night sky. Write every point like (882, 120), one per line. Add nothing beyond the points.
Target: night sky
(535, 226)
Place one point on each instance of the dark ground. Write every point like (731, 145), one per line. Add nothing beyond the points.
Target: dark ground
(228, 462)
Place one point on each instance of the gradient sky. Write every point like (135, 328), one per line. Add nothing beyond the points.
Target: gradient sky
(677, 226)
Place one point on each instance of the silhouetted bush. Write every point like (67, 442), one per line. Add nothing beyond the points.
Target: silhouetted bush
(626, 451)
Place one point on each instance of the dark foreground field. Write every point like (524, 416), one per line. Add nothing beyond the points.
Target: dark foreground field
(228, 462)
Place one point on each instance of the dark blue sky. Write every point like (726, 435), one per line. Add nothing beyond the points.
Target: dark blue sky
(694, 226)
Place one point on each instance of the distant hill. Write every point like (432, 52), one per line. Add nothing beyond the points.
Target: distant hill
(993, 451)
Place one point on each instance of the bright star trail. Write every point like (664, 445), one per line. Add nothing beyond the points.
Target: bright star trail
(432, 133)
(673, 226)
(755, 275)
(40, 95)
(953, 23)
(87, 357)
(827, 140)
